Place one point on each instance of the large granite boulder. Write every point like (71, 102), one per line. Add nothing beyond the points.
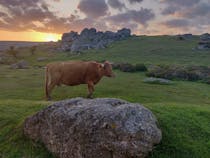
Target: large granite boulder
(91, 39)
(95, 128)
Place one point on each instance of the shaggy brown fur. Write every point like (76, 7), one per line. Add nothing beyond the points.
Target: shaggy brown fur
(74, 73)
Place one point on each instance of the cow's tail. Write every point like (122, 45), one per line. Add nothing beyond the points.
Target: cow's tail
(46, 82)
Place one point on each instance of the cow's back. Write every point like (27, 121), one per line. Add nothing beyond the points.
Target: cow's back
(73, 73)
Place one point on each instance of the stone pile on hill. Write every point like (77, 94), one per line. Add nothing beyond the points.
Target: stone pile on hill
(91, 39)
(204, 43)
(95, 128)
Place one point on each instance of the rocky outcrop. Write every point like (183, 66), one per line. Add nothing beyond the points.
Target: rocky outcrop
(184, 36)
(95, 128)
(204, 43)
(91, 39)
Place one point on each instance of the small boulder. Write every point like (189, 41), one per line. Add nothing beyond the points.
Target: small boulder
(95, 128)
(20, 65)
(204, 43)
(41, 59)
(153, 80)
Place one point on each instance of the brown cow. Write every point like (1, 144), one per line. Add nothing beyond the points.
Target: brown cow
(74, 73)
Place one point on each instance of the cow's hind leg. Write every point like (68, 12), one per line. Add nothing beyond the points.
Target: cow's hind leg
(49, 90)
(90, 89)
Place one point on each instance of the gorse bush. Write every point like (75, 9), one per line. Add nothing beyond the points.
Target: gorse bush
(189, 73)
(127, 67)
(33, 49)
(140, 67)
(12, 51)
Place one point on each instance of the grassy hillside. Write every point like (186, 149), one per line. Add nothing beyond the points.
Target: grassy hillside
(152, 50)
(182, 108)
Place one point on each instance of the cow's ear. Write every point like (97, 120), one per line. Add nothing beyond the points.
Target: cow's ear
(106, 62)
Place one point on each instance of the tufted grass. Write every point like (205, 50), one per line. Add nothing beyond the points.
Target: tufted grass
(182, 108)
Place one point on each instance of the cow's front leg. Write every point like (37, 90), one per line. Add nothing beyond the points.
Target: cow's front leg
(90, 89)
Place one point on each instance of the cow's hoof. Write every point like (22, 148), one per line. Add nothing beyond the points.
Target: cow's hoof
(89, 97)
(48, 98)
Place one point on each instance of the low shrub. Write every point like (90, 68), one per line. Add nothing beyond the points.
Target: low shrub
(127, 67)
(189, 73)
(140, 67)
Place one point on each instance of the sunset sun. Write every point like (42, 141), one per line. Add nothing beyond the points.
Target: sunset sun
(51, 37)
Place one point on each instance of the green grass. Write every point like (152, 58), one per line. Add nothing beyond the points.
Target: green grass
(182, 108)
(150, 50)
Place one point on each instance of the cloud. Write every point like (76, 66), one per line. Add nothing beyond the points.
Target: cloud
(173, 6)
(170, 10)
(141, 16)
(200, 10)
(93, 8)
(25, 15)
(195, 12)
(116, 4)
(176, 23)
(135, 1)
(181, 2)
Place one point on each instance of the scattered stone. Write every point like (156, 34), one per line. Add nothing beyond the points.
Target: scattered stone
(20, 65)
(204, 45)
(91, 39)
(153, 80)
(95, 128)
(41, 59)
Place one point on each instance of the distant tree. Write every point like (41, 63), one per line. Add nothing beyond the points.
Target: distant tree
(12, 51)
(33, 49)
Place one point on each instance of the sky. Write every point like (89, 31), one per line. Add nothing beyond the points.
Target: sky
(47, 20)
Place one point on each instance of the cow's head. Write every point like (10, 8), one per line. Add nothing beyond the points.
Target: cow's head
(107, 68)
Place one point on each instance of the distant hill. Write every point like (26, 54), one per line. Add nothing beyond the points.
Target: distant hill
(6, 44)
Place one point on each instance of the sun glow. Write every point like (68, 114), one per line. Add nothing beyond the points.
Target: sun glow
(51, 37)
(29, 36)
